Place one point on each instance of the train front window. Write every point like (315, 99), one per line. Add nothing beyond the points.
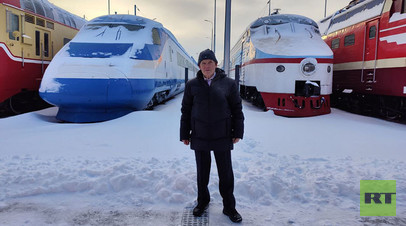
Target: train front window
(98, 50)
(12, 25)
(130, 27)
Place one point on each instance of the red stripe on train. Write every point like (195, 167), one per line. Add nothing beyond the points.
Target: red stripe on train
(286, 60)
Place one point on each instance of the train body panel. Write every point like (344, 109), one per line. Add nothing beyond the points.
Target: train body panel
(33, 31)
(369, 44)
(116, 64)
(283, 58)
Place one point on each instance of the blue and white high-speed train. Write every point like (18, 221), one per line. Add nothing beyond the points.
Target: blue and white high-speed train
(116, 64)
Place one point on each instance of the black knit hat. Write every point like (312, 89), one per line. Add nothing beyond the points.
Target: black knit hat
(206, 55)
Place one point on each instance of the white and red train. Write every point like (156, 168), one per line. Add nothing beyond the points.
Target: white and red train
(285, 66)
(32, 32)
(368, 39)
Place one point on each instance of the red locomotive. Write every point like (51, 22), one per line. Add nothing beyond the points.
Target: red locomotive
(368, 38)
(32, 32)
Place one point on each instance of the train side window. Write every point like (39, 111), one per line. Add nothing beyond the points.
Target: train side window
(46, 45)
(29, 19)
(170, 53)
(12, 24)
(50, 25)
(335, 44)
(155, 37)
(66, 40)
(37, 43)
(41, 22)
(372, 32)
(349, 40)
(404, 6)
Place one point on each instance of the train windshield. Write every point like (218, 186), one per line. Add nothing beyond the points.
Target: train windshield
(283, 19)
(106, 40)
(98, 50)
(129, 27)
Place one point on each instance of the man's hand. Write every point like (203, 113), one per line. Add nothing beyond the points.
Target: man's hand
(235, 140)
(186, 142)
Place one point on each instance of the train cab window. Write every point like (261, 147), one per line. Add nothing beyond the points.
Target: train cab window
(335, 44)
(46, 45)
(372, 32)
(50, 25)
(12, 25)
(155, 37)
(404, 6)
(66, 40)
(37, 43)
(349, 40)
(40, 22)
(29, 19)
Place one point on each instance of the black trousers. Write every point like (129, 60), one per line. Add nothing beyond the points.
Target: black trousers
(226, 177)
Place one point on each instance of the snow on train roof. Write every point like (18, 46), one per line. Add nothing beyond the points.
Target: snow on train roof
(123, 19)
(118, 29)
(282, 19)
(126, 19)
(288, 36)
(351, 14)
(47, 9)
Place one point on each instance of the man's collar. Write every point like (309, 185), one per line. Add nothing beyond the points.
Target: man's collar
(211, 78)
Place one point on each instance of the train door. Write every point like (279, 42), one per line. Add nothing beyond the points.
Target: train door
(43, 47)
(370, 54)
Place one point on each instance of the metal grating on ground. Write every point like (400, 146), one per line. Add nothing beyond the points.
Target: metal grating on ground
(189, 220)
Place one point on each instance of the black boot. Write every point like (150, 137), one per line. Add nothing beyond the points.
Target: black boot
(233, 215)
(199, 209)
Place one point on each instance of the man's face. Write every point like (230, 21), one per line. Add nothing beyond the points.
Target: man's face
(208, 67)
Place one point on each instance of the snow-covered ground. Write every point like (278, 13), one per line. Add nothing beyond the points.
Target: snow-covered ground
(135, 171)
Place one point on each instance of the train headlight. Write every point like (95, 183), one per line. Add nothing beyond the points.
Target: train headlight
(329, 69)
(308, 66)
(280, 68)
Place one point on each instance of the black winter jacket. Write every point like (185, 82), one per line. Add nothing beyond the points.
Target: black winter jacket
(211, 115)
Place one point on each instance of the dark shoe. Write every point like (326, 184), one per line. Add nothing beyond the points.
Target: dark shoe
(199, 210)
(233, 215)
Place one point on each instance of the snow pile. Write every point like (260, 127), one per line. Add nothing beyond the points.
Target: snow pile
(135, 171)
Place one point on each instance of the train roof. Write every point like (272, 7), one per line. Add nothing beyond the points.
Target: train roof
(136, 20)
(354, 12)
(125, 19)
(277, 19)
(48, 10)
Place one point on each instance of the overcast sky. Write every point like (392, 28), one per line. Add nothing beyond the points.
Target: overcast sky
(185, 18)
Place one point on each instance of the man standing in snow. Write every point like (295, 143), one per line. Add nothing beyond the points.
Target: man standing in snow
(212, 120)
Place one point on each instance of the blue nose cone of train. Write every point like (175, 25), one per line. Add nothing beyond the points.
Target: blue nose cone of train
(93, 100)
